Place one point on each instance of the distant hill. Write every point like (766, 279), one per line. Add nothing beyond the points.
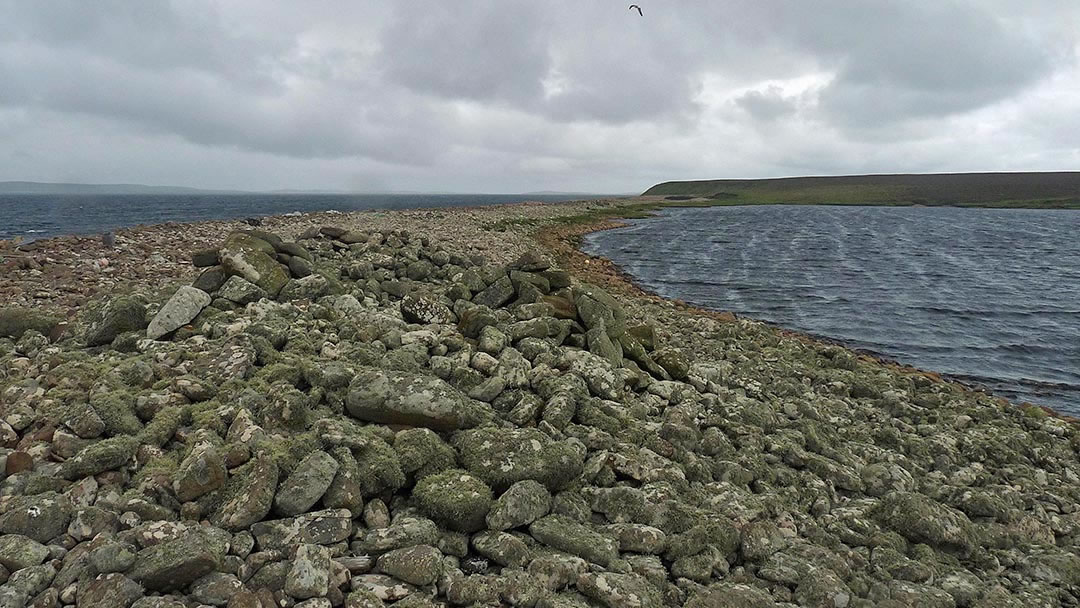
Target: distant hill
(1039, 190)
(60, 188)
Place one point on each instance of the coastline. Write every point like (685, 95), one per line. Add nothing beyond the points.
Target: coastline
(77, 268)
(566, 241)
(390, 401)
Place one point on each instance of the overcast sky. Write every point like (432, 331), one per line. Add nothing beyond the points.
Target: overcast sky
(512, 96)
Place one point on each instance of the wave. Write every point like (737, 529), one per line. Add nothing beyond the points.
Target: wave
(1027, 382)
(969, 312)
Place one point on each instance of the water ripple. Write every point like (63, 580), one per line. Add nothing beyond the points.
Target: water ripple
(988, 295)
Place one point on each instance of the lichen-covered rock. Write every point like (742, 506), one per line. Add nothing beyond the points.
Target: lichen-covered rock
(419, 565)
(384, 588)
(202, 471)
(565, 534)
(521, 504)
(392, 397)
(18, 552)
(252, 258)
(497, 294)
(240, 291)
(422, 452)
(310, 287)
(619, 590)
(454, 498)
(674, 362)
(920, 519)
(99, 457)
(425, 309)
(502, 457)
(502, 548)
(732, 595)
(248, 494)
(307, 483)
(181, 309)
(118, 315)
(216, 588)
(176, 563)
(109, 590)
(309, 575)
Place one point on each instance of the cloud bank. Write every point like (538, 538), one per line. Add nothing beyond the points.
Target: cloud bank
(483, 95)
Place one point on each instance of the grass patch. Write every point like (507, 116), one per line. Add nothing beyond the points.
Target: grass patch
(994, 190)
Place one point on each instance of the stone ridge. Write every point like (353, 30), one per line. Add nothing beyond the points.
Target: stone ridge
(363, 419)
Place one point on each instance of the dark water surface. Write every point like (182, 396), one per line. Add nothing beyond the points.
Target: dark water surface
(990, 296)
(35, 216)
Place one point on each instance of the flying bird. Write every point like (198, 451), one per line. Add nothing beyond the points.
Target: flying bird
(634, 6)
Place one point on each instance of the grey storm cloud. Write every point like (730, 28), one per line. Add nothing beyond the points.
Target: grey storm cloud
(513, 95)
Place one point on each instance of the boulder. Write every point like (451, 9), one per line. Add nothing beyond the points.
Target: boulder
(619, 590)
(455, 499)
(204, 258)
(181, 309)
(14, 322)
(202, 471)
(497, 294)
(252, 258)
(309, 575)
(393, 397)
(565, 534)
(521, 504)
(241, 291)
(18, 552)
(921, 519)
(307, 483)
(177, 563)
(502, 457)
(119, 315)
(419, 565)
(105, 455)
(248, 495)
(424, 308)
(109, 590)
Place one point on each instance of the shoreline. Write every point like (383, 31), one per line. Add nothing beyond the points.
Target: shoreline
(150, 253)
(610, 275)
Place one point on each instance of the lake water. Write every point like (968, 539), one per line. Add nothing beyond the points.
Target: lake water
(35, 216)
(989, 296)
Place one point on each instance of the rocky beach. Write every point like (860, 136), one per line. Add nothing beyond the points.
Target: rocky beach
(456, 407)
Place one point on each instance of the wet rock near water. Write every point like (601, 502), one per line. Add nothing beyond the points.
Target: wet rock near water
(364, 418)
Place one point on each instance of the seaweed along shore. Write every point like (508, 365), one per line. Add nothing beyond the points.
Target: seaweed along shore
(352, 411)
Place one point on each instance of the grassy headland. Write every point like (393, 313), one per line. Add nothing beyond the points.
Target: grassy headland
(1060, 190)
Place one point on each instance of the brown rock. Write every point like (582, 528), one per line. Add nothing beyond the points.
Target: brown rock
(17, 462)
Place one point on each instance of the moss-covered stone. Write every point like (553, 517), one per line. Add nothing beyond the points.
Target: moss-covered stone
(419, 565)
(252, 258)
(922, 520)
(117, 411)
(248, 494)
(454, 498)
(573, 537)
(422, 452)
(14, 322)
(117, 316)
(502, 457)
(102, 456)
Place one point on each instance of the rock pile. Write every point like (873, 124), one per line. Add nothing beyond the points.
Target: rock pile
(364, 419)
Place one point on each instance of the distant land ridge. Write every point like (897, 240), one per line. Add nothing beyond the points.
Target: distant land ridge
(1059, 189)
(19, 187)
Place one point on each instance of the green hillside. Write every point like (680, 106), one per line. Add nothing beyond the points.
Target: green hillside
(1059, 190)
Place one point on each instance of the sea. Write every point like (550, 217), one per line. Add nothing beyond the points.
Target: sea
(990, 297)
(37, 216)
